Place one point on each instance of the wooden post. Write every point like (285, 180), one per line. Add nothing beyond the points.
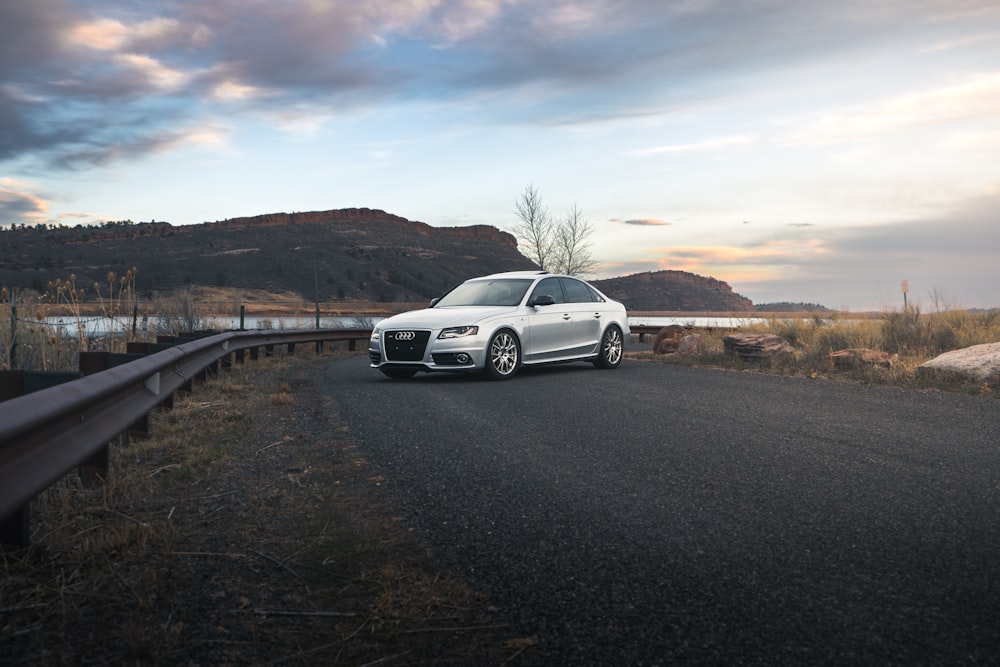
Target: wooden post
(14, 529)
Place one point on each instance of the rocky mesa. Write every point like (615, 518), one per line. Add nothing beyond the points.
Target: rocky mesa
(356, 253)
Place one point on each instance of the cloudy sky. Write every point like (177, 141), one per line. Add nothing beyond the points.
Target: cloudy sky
(800, 150)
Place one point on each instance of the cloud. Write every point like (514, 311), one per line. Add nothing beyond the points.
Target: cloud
(774, 251)
(159, 76)
(643, 222)
(113, 35)
(976, 97)
(19, 206)
(704, 146)
(81, 68)
(93, 83)
(127, 147)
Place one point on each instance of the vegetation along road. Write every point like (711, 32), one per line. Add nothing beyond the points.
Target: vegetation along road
(661, 513)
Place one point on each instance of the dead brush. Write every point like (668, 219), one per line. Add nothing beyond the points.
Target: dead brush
(909, 337)
(240, 532)
(97, 550)
(283, 396)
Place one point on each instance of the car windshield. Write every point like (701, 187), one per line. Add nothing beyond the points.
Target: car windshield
(496, 292)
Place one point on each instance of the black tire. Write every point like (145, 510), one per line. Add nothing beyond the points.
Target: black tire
(503, 355)
(398, 373)
(609, 354)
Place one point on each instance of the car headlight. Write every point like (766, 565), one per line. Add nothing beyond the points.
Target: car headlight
(376, 335)
(458, 332)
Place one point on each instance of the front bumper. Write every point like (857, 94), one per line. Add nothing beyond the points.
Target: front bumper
(426, 352)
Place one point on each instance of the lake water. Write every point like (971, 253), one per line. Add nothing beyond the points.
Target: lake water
(698, 322)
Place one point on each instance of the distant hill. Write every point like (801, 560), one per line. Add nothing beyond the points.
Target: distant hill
(343, 254)
(673, 290)
(347, 254)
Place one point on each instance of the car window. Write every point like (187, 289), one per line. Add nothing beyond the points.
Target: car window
(576, 291)
(498, 292)
(551, 287)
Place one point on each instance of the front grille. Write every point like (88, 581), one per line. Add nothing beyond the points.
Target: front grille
(405, 345)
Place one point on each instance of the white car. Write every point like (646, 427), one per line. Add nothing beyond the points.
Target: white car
(497, 323)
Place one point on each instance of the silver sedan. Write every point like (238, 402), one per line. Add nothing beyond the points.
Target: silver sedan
(497, 323)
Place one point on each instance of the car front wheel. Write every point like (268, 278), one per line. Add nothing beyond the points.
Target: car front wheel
(503, 355)
(612, 346)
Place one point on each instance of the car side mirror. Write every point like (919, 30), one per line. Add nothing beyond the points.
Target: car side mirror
(542, 300)
(435, 300)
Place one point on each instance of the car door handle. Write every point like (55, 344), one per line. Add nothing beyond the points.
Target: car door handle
(597, 315)
(567, 316)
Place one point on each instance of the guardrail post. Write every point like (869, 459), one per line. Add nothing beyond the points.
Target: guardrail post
(20, 382)
(14, 529)
(11, 384)
(95, 362)
(95, 469)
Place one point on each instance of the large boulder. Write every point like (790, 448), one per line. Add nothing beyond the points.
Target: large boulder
(692, 345)
(758, 347)
(667, 339)
(979, 363)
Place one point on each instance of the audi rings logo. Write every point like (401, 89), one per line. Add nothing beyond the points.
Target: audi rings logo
(405, 335)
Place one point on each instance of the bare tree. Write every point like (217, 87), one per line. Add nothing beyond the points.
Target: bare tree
(572, 254)
(534, 227)
(560, 246)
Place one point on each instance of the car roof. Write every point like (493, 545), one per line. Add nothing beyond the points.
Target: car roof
(513, 274)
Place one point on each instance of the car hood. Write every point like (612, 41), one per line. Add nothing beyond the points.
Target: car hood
(437, 318)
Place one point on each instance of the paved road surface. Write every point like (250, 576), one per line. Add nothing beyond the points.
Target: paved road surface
(660, 514)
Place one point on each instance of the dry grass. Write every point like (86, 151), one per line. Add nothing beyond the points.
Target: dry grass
(909, 336)
(246, 530)
(287, 304)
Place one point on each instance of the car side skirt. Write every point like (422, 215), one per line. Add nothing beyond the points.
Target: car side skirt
(582, 353)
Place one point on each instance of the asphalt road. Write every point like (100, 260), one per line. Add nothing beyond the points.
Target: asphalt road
(659, 514)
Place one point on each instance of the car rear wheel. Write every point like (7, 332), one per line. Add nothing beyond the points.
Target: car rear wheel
(503, 355)
(612, 347)
(398, 373)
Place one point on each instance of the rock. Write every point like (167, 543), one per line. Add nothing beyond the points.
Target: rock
(758, 347)
(854, 358)
(691, 345)
(979, 363)
(667, 339)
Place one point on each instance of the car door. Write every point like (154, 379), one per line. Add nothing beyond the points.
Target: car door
(550, 327)
(585, 314)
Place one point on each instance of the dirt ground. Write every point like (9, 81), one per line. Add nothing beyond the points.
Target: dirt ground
(245, 530)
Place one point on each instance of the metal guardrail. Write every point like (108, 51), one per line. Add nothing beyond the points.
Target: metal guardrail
(643, 330)
(46, 434)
